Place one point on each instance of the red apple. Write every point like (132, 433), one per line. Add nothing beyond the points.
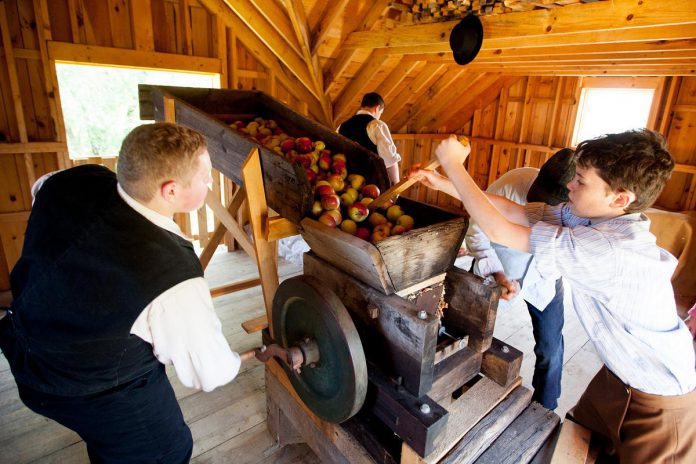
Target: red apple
(340, 171)
(327, 220)
(376, 219)
(393, 212)
(287, 145)
(370, 191)
(405, 221)
(324, 162)
(336, 182)
(347, 199)
(311, 175)
(323, 189)
(349, 226)
(358, 212)
(304, 160)
(303, 144)
(336, 214)
(363, 233)
(329, 202)
(366, 201)
(380, 232)
(339, 156)
(356, 181)
(316, 208)
(398, 230)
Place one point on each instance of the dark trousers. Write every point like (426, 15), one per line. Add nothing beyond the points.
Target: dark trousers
(548, 349)
(137, 422)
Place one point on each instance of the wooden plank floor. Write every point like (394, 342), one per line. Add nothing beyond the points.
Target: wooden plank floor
(229, 424)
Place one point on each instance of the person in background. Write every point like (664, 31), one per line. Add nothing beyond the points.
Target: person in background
(512, 269)
(642, 400)
(368, 130)
(108, 290)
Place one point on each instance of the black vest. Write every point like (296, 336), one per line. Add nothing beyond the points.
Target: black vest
(89, 266)
(356, 129)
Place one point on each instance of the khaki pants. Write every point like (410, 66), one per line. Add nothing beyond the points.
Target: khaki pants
(641, 428)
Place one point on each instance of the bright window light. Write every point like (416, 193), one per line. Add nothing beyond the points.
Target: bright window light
(611, 110)
(100, 103)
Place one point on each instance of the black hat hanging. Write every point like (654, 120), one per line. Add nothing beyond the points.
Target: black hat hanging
(466, 38)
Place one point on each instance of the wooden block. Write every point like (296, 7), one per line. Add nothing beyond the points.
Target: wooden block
(501, 362)
(396, 340)
(472, 307)
(479, 438)
(418, 421)
(573, 444)
(329, 441)
(455, 371)
(523, 438)
(256, 324)
(464, 413)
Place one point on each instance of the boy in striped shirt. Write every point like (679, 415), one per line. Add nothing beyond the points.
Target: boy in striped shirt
(642, 400)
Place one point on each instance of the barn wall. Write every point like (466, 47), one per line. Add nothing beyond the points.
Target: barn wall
(531, 118)
(172, 34)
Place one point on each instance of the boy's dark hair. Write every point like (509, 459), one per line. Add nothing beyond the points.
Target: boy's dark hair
(635, 161)
(372, 99)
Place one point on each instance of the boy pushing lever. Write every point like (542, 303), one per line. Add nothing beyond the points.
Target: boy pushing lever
(643, 399)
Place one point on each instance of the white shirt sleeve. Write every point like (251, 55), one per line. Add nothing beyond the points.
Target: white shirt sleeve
(184, 330)
(479, 246)
(378, 131)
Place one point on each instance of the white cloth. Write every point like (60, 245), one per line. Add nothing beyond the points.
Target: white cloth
(379, 134)
(621, 291)
(539, 292)
(181, 324)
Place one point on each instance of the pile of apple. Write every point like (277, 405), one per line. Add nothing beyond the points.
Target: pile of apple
(341, 198)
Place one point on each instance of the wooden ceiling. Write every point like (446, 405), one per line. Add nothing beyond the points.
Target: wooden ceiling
(336, 50)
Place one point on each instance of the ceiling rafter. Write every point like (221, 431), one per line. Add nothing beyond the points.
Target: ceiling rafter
(429, 74)
(625, 20)
(249, 16)
(480, 95)
(373, 14)
(451, 77)
(429, 112)
(280, 21)
(298, 18)
(396, 77)
(265, 55)
(325, 23)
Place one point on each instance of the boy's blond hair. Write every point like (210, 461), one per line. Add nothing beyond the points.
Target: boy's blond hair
(152, 154)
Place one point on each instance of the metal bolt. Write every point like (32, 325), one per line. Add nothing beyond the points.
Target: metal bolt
(422, 315)
(425, 408)
(263, 349)
(313, 365)
(372, 311)
(506, 349)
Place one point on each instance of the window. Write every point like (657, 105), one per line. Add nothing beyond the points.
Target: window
(613, 105)
(100, 103)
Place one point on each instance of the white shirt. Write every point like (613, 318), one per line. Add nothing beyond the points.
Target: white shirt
(539, 292)
(621, 291)
(181, 324)
(378, 133)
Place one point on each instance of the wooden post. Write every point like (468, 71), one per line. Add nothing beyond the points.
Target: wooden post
(258, 217)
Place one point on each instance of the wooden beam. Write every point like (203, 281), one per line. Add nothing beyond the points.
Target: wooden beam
(356, 85)
(373, 14)
(327, 20)
(298, 19)
(626, 20)
(429, 74)
(244, 14)
(279, 19)
(91, 54)
(32, 147)
(15, 90)
(141, 25)
(261, 52)
(452, 77)
(396, 77)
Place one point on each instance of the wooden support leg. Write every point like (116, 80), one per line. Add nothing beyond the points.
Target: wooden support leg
(220, 229)
(258, 216)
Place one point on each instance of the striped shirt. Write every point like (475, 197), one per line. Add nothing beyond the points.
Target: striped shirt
(622, 294)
